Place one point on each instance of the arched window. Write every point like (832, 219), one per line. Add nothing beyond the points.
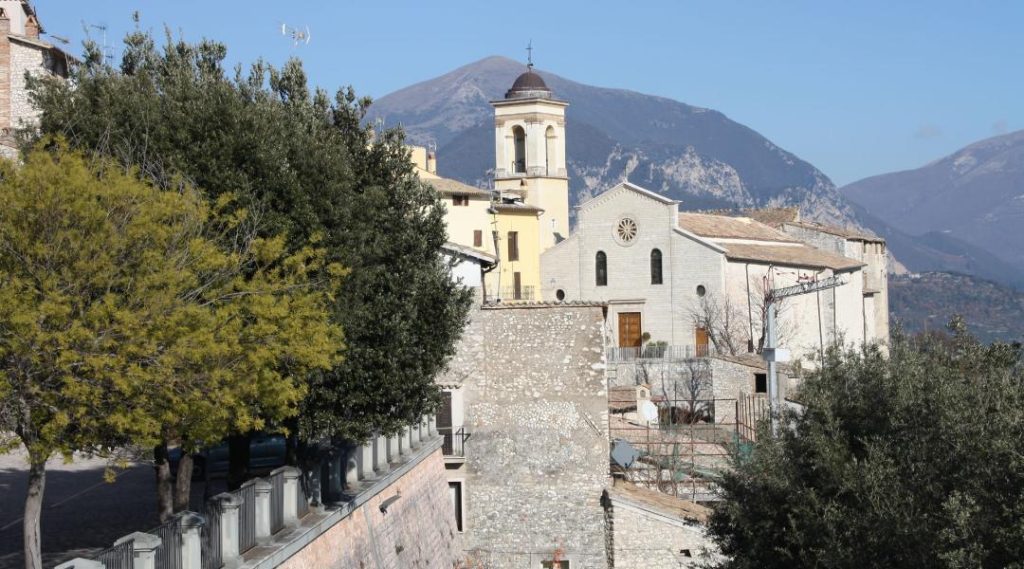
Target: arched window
(601, 269)
(656, 266)
(519, 138)
(549, 147)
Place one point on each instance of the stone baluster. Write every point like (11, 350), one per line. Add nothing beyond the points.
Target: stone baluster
(366, 460)
(263, 488)
(292, 479)
(191, 525)
(227, 507)
(380, 454)
(432, 425)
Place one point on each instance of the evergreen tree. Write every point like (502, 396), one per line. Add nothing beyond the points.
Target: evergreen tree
(308, 166)
(907, 460)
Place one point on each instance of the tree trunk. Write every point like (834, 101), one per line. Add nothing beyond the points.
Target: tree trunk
(164, 491)
(183, 485)
(33, 512)
(238, 460)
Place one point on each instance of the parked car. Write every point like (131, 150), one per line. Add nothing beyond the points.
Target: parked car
(267, 451)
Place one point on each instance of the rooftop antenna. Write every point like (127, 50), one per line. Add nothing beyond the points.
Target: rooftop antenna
(61, 39)
(774, 354)
(104, 47)
(529, 55)
(298, 35)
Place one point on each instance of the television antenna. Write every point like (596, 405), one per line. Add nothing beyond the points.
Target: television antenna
(774, 354)
(61, 39)
(299, 36)
(102, 27)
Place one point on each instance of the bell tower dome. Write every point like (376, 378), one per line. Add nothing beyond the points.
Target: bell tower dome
(529, 150)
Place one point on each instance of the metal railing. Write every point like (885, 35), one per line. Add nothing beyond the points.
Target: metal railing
(454, 441)
(510, 294)
(168, 553)
(121, 556)
(210, 537)
(247, 517)
(276, 501)
(659, 352)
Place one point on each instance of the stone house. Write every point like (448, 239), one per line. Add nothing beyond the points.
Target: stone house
(22, 52)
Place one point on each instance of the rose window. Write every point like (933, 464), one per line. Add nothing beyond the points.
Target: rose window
(626, 230)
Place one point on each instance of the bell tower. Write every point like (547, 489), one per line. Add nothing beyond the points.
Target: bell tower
(529, 150)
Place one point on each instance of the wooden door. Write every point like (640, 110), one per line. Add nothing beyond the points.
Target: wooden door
(629, 330)
(701, 341)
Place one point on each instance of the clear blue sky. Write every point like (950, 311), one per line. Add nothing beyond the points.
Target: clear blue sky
(855, 88)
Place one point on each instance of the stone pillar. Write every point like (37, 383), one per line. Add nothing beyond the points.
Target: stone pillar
(351, 460)
(414, 436)
(380, 454)
(228, 505)
(394, 448)
(334, 475)
(432, 425)
(80, 563)
(366, 460)
(144, 544)
(292, 479)
(403, 441)
(263, 489)
(191, 525)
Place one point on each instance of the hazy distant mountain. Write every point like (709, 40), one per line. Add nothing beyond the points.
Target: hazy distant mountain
(969, 206)
(927, 301)
(689, 153)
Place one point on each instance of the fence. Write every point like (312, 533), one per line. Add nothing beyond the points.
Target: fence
(210, 537)
(511, 294)
(120, 556)
(168, 554)
(683, 452)
(247, 517)
(276, 501)
(660, 352)
(454, 441)
(750, 410)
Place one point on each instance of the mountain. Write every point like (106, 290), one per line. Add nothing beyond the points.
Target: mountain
(967, 207)
(693, 154)
(927, 301)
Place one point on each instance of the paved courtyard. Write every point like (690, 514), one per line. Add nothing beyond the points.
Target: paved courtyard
(82, 513)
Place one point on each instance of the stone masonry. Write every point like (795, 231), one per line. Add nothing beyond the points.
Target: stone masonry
(537, 457)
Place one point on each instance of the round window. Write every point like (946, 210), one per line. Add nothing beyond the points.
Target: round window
(560, 295)
(626, 231)
(701, 291)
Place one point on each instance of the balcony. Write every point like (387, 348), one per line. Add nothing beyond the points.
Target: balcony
(454, 445)
(659, 352)
(513, 294)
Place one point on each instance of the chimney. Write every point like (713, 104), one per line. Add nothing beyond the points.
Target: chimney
(431, 162)
(5, 22)
(32, 27)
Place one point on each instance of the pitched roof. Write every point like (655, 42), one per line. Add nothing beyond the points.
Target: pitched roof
(659, 501)
(794, 256)
(448, 186)
(622, 398)
(726, 227)
(482, 256)
(774, 216)
(844, 232)
(516, 207)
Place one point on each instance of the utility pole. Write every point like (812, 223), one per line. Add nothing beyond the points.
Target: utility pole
(774, 354)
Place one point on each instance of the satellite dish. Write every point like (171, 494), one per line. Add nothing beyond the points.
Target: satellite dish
(648, 411)
(623, 453)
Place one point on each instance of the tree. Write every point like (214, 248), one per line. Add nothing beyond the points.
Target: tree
(122, 321)
(310, 167)
(911, 460)
(723, 321)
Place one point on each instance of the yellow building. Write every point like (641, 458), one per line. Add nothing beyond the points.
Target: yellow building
(529, 210)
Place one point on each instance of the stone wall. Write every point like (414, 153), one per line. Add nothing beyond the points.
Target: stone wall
(651, 536)
(537, 456)
(418, 529)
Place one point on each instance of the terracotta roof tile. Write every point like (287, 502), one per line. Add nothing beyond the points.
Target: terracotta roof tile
(726, 227)
(794, 256)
